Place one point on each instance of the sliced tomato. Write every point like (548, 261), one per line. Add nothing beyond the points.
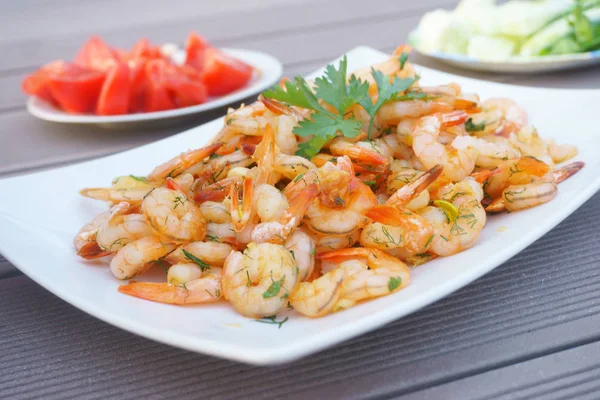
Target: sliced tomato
(144, 50)
(120, 55)
(195, 49)
(114, 96)
(157, 96)
(76, 89)
(139, 49)
(190, 72)
(186, 92)
(137, 86)
(37, 83)
(223, 74)
(96, 54)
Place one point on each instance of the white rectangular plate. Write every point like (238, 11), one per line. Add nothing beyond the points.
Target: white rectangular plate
(40, 214)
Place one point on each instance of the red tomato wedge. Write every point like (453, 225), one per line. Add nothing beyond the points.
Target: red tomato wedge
(186, 92)
(137, 86)
(114, 96)
(76, 89)
(144, 50)
(195, 48)
(156, 94)
(38, 83)
(223, 74)
(95, 54)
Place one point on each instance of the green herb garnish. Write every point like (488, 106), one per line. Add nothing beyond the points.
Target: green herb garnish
(335, 89)
(272, 320)
(274, 288)
(470, 126)
(203, 266)
(394, 283)
(139, 178)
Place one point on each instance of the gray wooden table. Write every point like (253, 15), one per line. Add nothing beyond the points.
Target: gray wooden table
(530, 329)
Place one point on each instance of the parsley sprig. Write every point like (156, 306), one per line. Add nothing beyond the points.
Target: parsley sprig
(340, 93)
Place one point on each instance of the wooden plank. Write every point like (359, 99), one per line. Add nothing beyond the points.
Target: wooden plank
(277, 22)
(35, 144)
(570, 374)
(73, 18)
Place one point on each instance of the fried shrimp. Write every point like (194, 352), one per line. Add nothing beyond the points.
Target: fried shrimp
(258, 281)
(205, 288)
(135, 257)
(368, 273)
(172, 215)
(457, 163)
(457, 217)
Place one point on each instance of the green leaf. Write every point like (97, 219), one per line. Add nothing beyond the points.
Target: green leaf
(582, 27)
(413, 95)
(394, 283)
(309, 96)
(471, 127)
(323, 128)
(402, 60)
(290, 95)
(387, 92)
(332, 87)
(274, 288)
(357, 89)
(203, 266)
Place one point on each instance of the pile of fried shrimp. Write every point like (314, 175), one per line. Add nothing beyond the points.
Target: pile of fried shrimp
(247, 221)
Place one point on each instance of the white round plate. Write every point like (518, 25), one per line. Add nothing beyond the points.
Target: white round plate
(519, 65)
(267, 72)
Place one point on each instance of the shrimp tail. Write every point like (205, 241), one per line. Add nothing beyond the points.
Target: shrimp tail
(496, 206)
(453, 118)
(195, 156)
(408, 192)
(371, 159)
(344, 163)
(96, 193)
(171, 184)
(342, 254)
(91, 250)
(484, 175)
(180, 163)
(168, 293)
(567, 171)
(159, 292)
(385, 214)
(265, 154)
(216, 191)
(467, 105)
(118, 211)
(277, 107)
(301, 201)
(241, 213)
(374, 257)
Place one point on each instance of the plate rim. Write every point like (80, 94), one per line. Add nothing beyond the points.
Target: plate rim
(312, 344)
(34, 107)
